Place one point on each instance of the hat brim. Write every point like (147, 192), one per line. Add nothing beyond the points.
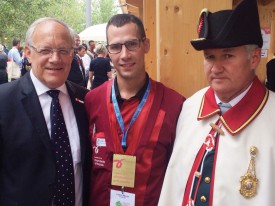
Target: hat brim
(202, 44)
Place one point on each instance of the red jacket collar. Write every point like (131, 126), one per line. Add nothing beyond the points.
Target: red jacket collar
(242, 114)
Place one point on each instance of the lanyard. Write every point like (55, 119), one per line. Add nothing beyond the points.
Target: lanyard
(137, 112)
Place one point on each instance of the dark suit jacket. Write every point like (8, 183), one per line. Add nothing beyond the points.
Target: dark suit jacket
(27, 168)
(75, 74)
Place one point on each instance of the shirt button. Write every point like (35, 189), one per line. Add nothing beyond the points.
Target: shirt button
(207, 180)
(203, 198)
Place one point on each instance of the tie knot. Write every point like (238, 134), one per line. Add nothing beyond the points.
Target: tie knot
(224, 107)
(53, 93)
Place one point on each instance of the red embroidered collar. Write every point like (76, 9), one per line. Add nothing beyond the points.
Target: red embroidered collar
(242, 114)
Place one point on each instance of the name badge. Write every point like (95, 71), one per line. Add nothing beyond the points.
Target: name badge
(124, 168)
(119, 198)
(100, 142)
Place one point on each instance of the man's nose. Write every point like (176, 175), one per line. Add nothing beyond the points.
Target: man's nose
(124, 51)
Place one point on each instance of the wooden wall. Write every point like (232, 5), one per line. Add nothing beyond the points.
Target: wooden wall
(149, 19)
(267, 19)
(171, 24)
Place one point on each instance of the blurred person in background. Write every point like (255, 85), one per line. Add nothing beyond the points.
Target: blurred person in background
(91, 51)
(26, 65)
(100, 68)
(6, 49)
(270, 74)
(3, 65)
(77, 75)
(14, 54)
(86, 62)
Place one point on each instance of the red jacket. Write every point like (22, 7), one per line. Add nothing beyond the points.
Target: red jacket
(150, 139)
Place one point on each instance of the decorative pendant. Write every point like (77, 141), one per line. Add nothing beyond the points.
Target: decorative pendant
(249, 181)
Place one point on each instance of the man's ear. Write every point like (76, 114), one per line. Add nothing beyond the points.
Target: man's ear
(146, 43)
(27, 51)
(255, 58)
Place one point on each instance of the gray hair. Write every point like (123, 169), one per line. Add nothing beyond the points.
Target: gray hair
(31, 29)
(249, 48)
(100, 49)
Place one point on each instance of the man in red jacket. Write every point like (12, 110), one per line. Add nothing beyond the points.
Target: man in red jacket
(132, 122)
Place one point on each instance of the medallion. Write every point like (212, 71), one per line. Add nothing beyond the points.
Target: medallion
(249, 181)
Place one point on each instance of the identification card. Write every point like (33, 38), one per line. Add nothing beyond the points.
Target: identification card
(100, 142)
(119, 198)
(124, 168)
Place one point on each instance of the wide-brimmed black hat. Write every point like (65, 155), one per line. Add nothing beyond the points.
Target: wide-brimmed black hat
(229, 28)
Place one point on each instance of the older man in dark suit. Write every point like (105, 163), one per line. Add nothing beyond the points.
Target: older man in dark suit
(43, 159)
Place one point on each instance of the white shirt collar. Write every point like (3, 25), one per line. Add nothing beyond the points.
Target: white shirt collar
(41, 88)
(234, 101)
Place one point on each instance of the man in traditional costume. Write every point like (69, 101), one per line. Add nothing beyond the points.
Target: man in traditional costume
(132, 123)
(224, 149)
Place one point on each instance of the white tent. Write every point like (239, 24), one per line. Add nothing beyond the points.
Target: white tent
(95, 32)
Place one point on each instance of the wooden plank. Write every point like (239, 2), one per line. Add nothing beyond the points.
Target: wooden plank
(149, 20)
(131, 6)
(180, 65)
(267, 20)
(136, 3)
(123, 5)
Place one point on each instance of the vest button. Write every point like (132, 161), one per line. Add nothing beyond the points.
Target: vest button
(207, 180)
(203, 199)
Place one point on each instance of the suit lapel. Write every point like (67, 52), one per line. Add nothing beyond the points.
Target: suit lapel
(33, 109)
(77, 99)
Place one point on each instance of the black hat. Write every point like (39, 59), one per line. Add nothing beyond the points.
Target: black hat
(229, 28)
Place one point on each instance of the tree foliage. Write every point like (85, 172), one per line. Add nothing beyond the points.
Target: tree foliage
(17, 15)
(102, 11)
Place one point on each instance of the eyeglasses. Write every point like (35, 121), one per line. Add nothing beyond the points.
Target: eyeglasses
(131, 45)
(49, 52)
